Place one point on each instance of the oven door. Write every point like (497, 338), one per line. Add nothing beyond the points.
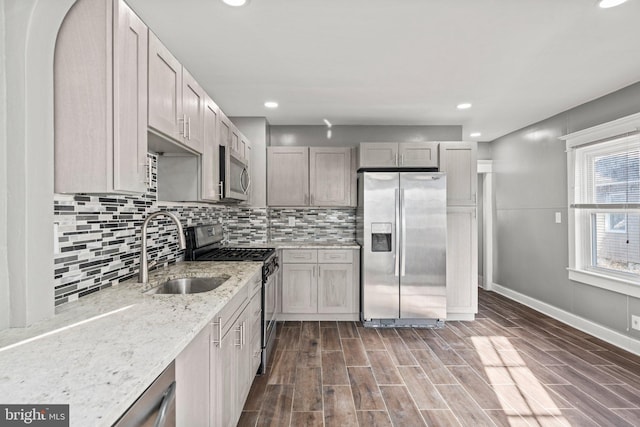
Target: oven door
(234, 174)
(269, 320)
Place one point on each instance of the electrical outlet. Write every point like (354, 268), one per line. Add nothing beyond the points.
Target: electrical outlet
(292, 221)
(558, 217)
(635, 322)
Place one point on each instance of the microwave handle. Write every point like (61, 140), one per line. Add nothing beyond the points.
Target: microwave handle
(245, 172)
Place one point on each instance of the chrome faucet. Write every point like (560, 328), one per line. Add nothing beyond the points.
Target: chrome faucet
(143, 277)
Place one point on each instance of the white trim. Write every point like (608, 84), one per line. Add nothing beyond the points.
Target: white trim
(485, 166)
(606, 334)
(608, 282)
(606, 130)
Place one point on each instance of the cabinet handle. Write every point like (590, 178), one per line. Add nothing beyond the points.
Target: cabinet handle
(244, 333)
(220, 190)
(219, 325)
(189, 128)
(183, 120)
(239, 339)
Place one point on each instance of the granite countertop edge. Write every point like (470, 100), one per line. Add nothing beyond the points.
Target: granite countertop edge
(100, 353)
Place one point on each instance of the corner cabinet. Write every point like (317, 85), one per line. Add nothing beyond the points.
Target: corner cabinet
(458, 159)
(309, 176)
(320, 284)
(398, 154)
(101, 100)
(210, 160)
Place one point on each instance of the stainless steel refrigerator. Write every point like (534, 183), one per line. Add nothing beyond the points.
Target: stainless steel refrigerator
(402, 229)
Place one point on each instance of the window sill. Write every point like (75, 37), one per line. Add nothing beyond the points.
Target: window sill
(619, 285)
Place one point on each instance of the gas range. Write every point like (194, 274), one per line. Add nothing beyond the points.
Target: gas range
(204, 243)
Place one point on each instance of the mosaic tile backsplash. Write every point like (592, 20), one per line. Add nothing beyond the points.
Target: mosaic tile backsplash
(312, 225)
(99, 235)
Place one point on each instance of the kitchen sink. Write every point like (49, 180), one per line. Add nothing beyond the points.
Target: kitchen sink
(188, 285)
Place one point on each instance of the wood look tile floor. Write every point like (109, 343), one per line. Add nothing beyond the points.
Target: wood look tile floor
(512, 366)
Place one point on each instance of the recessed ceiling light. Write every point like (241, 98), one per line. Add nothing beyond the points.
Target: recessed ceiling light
(271, 104)
(235, 3)
(475, 134)
(606, 4)
(463, 106)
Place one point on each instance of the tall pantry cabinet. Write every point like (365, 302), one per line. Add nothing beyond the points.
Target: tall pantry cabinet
(459, 161)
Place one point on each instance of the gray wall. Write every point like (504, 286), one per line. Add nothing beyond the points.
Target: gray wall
(484, 151)
(257, 130)
(4, 276)
(531, 255)
(352, 135)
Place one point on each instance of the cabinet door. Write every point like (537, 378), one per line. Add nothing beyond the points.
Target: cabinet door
(228, 366)
(287, 176)
(418, 154)
(378, 154)
(235, 139)
(210, 153)
(299, 288)
(330, 176)
(193, 97)
(335, 288)
(224, 129)
(165, 89)
(462, 260)
(130, 101)
(192, 381)
(459, 161)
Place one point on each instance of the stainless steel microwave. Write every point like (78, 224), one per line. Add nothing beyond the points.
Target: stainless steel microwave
(235, 180)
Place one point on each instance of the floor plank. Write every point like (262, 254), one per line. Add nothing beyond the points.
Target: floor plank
(338, 407)
(334, 370)
(402, 410)
(307, 396)
(366, 394)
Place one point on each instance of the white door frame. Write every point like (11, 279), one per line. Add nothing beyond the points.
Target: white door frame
(485, 167)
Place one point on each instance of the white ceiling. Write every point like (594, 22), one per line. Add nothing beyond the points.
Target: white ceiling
(406, 62)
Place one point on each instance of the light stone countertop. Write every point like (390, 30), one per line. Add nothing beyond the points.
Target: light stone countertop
(100, 353)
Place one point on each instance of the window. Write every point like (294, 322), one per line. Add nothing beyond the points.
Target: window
(604, 205)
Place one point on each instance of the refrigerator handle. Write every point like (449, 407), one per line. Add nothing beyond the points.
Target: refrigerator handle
(403, 232)
(397, 239)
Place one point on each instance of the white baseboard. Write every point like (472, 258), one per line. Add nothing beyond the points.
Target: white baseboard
(312, 317)
(609, 335)
(466, 317)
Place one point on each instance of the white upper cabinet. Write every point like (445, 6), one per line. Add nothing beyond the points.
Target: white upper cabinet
(418, 154)
(176, 100)
(193, 99)
(459, 160)
(398, 154)
(210, 153)
(101, 100)
(378, 154)
(165, 89)
(288, 176)
(309, 176)
(330, 176)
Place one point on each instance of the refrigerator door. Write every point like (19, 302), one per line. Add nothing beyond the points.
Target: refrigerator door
(423, 245)
(380, 266)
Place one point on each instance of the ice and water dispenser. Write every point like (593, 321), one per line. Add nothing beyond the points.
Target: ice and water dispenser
(381, 237)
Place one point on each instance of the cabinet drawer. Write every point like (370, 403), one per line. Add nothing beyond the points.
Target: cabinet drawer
(327, 256)
(303, 256)
(230, 311)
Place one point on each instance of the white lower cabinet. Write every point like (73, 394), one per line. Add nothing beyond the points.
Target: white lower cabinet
(462, 264)
(320, 284)
(215, 371)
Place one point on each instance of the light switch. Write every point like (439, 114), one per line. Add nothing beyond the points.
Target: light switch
(292, 221)
(558, 217)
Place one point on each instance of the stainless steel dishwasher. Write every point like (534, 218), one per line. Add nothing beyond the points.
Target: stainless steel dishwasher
(156, 407)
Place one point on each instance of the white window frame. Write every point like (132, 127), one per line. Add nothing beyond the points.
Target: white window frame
(580, 246)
